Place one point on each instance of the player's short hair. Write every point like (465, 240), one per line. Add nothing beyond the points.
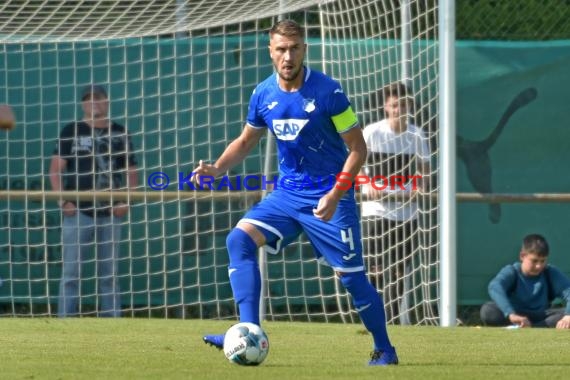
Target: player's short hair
(288, 28)
(535, 243)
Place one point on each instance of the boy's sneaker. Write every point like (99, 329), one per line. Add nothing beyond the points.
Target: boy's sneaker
(383, 358)
(215, 340)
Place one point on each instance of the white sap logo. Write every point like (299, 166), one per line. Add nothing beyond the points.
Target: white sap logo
(288, 129)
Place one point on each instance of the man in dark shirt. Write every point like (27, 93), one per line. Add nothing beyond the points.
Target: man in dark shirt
(92, 154)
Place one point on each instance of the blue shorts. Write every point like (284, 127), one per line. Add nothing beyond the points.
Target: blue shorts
(283, 215)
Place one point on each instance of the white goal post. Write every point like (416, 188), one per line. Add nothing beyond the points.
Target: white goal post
(179, 74)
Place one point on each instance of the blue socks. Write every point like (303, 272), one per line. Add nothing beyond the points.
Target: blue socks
(244, 274)
(369, 306)
(245, 280)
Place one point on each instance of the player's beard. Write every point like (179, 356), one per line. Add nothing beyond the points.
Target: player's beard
(293, 74)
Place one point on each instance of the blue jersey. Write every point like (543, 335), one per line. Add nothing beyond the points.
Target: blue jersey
(307, 125)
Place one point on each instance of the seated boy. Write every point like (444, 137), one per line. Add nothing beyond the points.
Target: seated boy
(522, 292)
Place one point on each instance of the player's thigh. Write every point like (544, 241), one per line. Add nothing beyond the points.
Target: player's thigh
(338, 241)
(272, 217)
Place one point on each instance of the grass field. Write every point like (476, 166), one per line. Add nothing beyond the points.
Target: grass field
(91, 348)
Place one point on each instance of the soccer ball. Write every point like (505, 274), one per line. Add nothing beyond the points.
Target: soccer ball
(246, 344)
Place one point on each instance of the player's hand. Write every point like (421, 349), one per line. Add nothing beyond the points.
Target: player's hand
(120, 209)
(371, 193)
(564, 323)
(326, 207)
(520, 320)
(204, 169)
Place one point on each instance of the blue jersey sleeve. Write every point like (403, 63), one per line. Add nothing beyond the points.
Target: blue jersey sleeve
(338, 102)
(342, 114)
(253, 117)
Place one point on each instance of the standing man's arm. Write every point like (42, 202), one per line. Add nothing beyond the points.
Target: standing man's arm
(7, 118)
(132, 177)
(368, 189)
(121, 208)
(425, 173)
(58, 166)
(423, 157)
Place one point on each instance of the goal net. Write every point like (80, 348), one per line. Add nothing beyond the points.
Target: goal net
(179, 75)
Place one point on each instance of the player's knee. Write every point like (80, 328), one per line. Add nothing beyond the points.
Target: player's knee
(240, 245)
(257, 235)
(357, 284)
(354, 281)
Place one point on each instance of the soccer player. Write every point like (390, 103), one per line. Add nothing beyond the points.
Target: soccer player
(314, 124)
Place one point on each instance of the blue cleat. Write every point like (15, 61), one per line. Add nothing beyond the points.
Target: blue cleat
(215, 340)
(383, 358)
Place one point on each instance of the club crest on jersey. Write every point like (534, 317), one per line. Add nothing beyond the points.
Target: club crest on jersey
(288, 129)
(309, 105)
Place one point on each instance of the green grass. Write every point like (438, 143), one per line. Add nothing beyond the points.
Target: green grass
(91, 348)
